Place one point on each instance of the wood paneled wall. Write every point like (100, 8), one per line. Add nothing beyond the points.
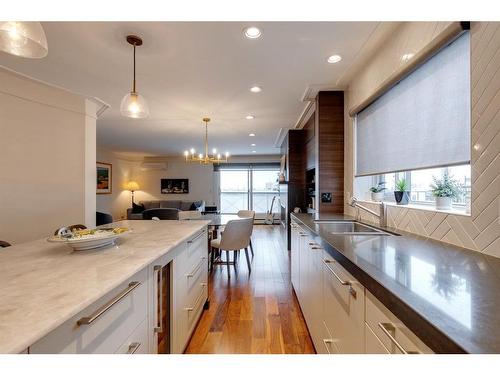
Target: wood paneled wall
(330, 150)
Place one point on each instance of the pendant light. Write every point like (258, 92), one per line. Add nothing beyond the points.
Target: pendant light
(25, 39)
(134, 105)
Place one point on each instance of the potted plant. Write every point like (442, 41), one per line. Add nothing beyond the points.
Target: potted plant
(402, 192)
(378, 192)
(445, 190)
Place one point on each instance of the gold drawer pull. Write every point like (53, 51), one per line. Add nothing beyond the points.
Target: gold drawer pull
(90, 319)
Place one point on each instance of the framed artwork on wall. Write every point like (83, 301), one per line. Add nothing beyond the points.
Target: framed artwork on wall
(174, 186)
(104, 178)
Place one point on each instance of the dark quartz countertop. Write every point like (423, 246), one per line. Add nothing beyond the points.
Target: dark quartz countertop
(447, 295)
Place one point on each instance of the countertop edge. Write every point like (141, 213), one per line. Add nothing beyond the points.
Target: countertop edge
(433, 337)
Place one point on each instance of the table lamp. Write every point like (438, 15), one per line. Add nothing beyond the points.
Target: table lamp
(132, 186)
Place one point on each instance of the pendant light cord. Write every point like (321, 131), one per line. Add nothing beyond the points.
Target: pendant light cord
(133, 89)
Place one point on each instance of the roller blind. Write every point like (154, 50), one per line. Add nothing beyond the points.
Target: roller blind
(423, 121)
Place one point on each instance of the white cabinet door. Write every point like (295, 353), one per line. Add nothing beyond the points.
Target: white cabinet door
(294, 256)
(315, 298)
(344, 307)
(304, 273)
(189, 290)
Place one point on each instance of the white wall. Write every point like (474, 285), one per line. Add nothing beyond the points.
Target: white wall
(481, 230)
(46, 140)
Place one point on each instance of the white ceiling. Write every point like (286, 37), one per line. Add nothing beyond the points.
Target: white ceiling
(188, 70)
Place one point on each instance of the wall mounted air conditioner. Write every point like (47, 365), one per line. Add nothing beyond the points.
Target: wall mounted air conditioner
(154, 166)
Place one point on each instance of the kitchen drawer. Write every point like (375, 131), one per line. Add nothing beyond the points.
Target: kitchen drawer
(137, 342)
(109, 330)
(391, 332)
(372, 344)
(188, 285)
(189, 256)
(328, 342)
(344, 306)
(186, 316)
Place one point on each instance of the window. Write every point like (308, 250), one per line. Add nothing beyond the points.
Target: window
(233, 191)
(420, 182)
(248, 188)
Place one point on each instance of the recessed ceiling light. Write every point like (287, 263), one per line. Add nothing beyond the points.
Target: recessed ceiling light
(252, 32)
(251, 135)
(250, 117)
(253, 145)
(334, 59)
(255, 89)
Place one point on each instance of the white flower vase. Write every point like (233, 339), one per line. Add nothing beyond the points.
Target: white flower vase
(378, 197)
(443, 203)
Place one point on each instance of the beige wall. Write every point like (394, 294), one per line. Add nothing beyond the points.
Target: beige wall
(481, 230)
(201, 180)
(46, 138)
(126, 169)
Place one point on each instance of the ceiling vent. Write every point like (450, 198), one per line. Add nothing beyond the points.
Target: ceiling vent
(154, 166)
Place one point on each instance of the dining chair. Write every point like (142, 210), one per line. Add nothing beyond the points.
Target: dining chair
(190, 215)
(247, 214)
(236, 236)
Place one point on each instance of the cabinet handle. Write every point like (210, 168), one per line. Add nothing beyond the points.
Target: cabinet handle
(343, 282)
(159, 300)
(387, 328)
(326, 342)
(302, 234)
(314, 246)
(189, 309)
(132, 348)
(90, 319)
(195, 271)
(198, 236)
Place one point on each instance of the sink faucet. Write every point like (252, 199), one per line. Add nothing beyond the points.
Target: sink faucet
(382, 214)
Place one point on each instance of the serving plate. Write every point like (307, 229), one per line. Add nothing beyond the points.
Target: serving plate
(99, 239)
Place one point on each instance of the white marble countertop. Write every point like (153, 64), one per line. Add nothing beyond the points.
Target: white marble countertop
(44, 284)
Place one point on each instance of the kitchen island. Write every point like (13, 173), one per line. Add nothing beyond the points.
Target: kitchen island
(46, 289)
(397, 293)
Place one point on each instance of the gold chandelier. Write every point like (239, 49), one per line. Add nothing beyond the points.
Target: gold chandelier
(214, 158)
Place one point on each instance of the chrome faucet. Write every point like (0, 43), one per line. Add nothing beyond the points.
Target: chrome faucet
(382, 214)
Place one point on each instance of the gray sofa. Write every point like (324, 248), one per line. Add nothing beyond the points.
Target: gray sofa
(168, 204)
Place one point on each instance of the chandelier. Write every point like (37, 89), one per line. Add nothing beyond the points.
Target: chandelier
(214, 158)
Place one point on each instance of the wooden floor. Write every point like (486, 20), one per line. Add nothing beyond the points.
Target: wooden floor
(256, 313)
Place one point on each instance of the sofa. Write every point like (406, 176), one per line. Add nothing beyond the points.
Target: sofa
(188, 205)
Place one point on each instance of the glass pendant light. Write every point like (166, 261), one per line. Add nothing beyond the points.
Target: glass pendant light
(25, 39)
(134, 105)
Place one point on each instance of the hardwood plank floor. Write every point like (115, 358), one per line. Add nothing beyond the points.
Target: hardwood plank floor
(256, 312)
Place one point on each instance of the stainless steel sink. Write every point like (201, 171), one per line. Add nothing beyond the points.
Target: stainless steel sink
(350, 228)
